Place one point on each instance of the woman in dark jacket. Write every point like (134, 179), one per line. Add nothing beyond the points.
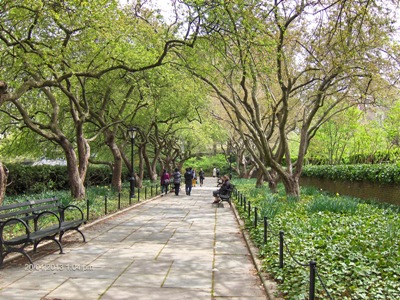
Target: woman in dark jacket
(177, 181)
(188, 180)
(223, 190)
(201, 174)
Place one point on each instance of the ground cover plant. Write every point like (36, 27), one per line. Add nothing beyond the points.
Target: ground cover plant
(355, 244)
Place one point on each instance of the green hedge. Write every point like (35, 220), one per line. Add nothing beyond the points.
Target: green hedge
(208, 163)
(382, 173)
(378, 157)
(36, 179)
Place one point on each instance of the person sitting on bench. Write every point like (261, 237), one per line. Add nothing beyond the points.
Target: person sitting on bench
(223, 190)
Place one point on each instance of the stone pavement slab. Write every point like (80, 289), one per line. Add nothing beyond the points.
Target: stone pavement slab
(169, 247)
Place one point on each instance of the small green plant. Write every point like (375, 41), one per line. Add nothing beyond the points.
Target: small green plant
(332, 204)
(270, 207)
(354, 243)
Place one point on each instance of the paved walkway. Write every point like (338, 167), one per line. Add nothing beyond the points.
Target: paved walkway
(170, 247)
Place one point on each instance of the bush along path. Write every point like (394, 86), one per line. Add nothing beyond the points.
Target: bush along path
(381, 173)
(324, 246)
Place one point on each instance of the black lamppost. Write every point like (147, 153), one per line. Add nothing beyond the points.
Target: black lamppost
(132, 133)
(230, 163)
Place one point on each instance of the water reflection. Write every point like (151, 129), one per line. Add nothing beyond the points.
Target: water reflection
(363, 190)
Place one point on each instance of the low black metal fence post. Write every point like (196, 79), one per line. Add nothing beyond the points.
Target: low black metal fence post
(281, 249)
(87, 209)
(105, 205)
(249, 211)
(265, 229)
(313, 266)
(138, 195)
(119, 200)
(156, 189)
(151, 191)
(244, 203)
(255, 217)
(130, 200)
(145, 192)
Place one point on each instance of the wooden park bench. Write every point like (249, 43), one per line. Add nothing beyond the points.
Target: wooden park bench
(31, 222)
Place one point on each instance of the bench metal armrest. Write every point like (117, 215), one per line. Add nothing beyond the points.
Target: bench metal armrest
(13, 221)
(70, 206)
(44, 213)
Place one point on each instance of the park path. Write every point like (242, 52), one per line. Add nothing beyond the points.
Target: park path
(169, 247)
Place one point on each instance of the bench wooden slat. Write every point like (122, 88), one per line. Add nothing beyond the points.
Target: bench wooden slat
(12, 214)
(15, 209)
(55, 200)
(45, 207)
(14, 205)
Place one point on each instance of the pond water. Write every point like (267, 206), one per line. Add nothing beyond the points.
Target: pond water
(363, 190)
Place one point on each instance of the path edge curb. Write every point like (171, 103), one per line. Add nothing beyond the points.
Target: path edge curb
(270, 286)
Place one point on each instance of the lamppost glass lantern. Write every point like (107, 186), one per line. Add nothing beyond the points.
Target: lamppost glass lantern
(132, 134)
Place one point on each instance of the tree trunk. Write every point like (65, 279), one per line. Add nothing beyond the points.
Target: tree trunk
(151, 165)
(273, 178)
(260, 178)
(116, 181)
(3, 91)
(292, 186)
(140, 174)
(75, 181)
(3, 181)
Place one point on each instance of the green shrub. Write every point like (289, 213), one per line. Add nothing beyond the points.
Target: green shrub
(378, 157)
(25, 179)
(208, 163)
(381, 173)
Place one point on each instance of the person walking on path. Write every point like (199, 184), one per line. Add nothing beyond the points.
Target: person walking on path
(165, 179)
(188, 181)
(194, 180)
(201, 175)
(214, 172)
(177, 181)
